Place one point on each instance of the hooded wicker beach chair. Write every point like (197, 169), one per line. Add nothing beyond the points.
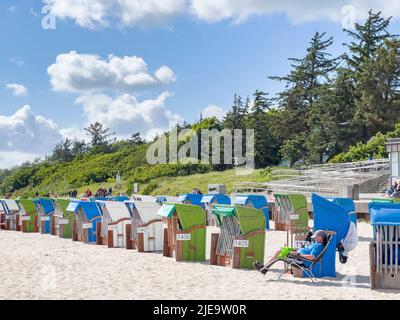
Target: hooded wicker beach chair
(11, 214)
(290, 211)
(291, 215)
(241, 240)
(348, 205)
(329, 215)
(45, 208)
(185, 235)
(147, 231)
(254, 201)
(384, 252)
(28, 215)
(62, 220)
(87, 215)
(190, 198)
(115, 218)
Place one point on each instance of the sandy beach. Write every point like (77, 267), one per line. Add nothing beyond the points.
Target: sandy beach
(34, 266)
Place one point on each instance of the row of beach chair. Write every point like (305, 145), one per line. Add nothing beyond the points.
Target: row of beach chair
(178, 227)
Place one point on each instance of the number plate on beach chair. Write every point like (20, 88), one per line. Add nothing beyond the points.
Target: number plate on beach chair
(142, 230)
(87, 225)
(26, 218)
(45, 218)
(183, 237)
(301, 244)
(112, 228)
(241, 243)
(63, 221)
(294, 217)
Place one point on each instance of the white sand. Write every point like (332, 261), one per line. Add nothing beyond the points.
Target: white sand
(34, 266)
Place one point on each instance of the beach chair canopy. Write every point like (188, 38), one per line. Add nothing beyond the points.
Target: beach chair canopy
(387, 200)
(216, 198)
(115, 210)
(223, 211)
(46, 204)
(293, 208)
(118, 198)
(161, 199)
(166, 210)
(94, 199)
(61, 206)
(27, 206)
(258, 201)
(348, 205)
(131, 207)
(249, 219)
(330, 216)
(384, 213)
(147, 210)
(189, 215)
(191, 197)
(10, 205)
(89, 209)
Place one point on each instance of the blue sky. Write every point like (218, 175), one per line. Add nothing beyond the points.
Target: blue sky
(210, 50)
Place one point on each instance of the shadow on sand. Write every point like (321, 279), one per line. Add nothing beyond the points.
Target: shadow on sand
(341, 280)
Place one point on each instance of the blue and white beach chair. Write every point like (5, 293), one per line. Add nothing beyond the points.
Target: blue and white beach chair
(385, 248)
(46, 209)
(87, 217)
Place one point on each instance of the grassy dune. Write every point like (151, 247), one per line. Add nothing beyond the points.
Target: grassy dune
(176, 185)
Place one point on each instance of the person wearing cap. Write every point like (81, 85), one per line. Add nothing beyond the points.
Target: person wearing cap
(310, 252)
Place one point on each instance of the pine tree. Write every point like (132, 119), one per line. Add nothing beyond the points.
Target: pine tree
(235, 118)
(265, 144)
(79, 147)
(302, 92)
(62, 151)
(329, 120)
(136, 139)
(100, 138)
(378, 104)
(369, 38)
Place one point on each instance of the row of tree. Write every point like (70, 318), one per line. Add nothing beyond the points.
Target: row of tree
(101, 140)
(329, 103)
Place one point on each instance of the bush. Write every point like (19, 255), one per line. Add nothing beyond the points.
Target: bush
(375, 147)
(150, 188)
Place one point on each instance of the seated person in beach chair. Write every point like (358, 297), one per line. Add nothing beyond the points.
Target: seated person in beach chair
(303, 256)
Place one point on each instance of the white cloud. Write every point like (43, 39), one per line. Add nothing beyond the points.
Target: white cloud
(213, 111)
(74, 72)
(126, 115)
(165, 75)
(74, 133)
(27, 134)
(10, 159)
(86, 13)
(102, 13)
(299, 11)
(98, 13)
(17, 61)
(17, 89)
(149, 12)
